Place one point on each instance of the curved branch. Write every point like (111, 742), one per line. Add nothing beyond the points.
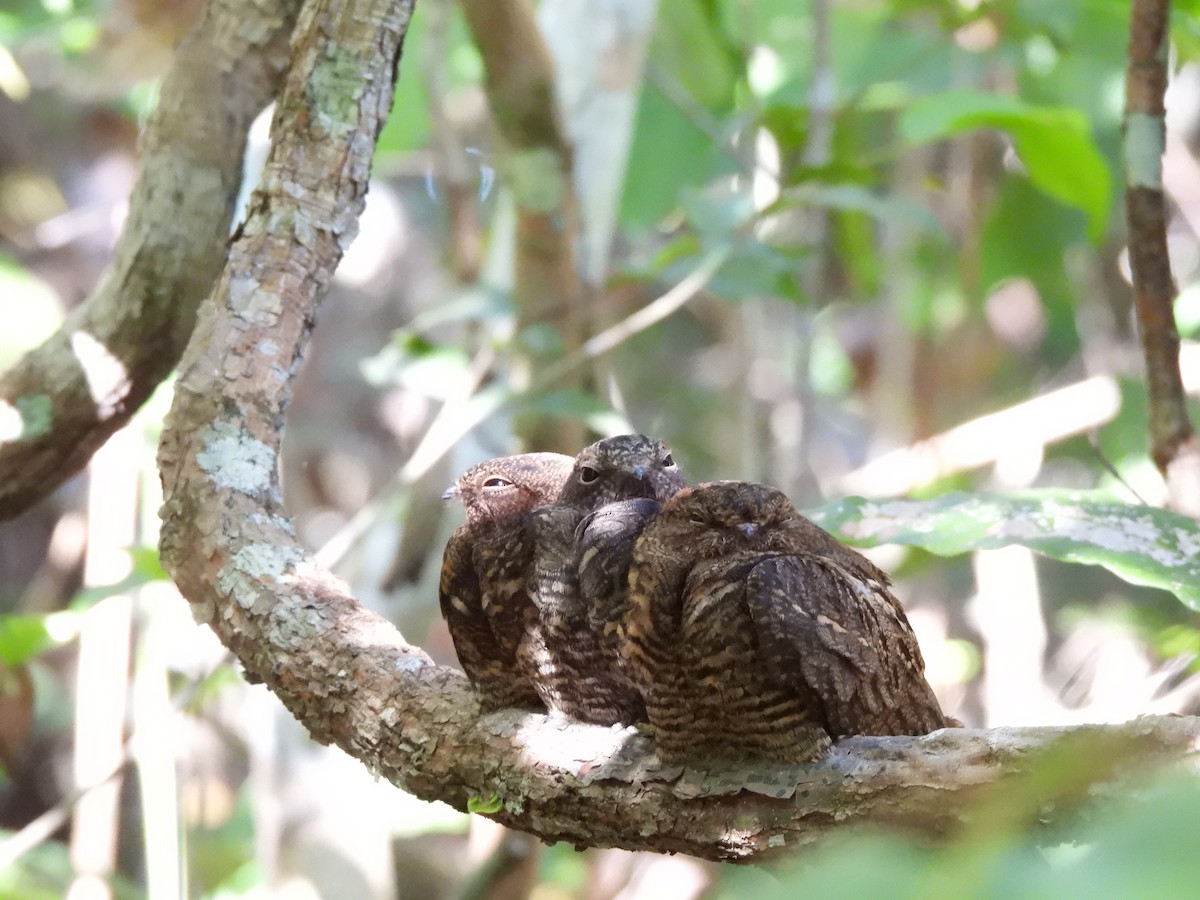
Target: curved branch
(62, 400)
(351, 678)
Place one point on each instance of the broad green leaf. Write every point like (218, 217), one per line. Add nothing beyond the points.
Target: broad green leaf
(147, 563)
(407, 126)
(691, 50)
(1142, 544)
(1055, 144)
(147, 568)
(669, 152)
(1010, 249)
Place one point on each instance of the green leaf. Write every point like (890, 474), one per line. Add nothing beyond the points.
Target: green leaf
(148, 564)
(1141, 544)
(485, 805)
(689, 46)
(855, 198)
(1055, 144)
(22, 638)
(670, 152)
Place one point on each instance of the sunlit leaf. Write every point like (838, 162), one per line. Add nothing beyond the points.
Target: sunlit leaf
(147, 568)
(44, 873)
(22, 638)
(1142, 544)
(1054, 143)
(485, 805)
(146, 563)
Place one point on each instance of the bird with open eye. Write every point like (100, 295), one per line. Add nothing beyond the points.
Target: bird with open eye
(579, 675)
(750, 631)
(483, 589)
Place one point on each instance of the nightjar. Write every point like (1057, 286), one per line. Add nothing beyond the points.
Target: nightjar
(485, 573)
(579, 674)
(750, 631)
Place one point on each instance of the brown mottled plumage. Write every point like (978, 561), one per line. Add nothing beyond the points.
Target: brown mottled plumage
(577, 676)
(604, 542)
(749, 630)
(485, 572)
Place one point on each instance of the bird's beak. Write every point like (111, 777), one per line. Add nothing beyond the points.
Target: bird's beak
(646, 480)
(748, 529)
(451, 493)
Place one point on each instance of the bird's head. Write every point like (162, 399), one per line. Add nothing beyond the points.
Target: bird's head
(507, 488)
(721, 517)
(625, 467)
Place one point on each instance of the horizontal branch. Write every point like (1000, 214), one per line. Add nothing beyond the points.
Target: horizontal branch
(63, 399)
(351, 679)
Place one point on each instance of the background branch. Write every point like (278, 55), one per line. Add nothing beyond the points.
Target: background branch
(64, 399)
(1173, 443)
(534, 161)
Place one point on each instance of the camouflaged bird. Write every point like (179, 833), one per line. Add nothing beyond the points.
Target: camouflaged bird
(750, 631)
(579, 676)
(604, 542)
(485, 572)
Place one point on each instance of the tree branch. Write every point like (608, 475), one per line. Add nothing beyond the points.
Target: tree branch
(62, 400)
(351, 678)
(535, 163)
(1173, 444)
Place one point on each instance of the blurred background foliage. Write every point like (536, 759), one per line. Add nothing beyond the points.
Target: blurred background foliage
(923, 289)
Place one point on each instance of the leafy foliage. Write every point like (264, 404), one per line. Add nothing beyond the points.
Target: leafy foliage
(22, 638)
(1136, 848)
(1054, 144)
(1142, 544)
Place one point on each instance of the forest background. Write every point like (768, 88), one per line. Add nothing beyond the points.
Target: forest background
(865, 249)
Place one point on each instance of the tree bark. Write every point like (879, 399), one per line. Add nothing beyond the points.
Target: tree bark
(535, 162)
(1173, 444)
(62, 400)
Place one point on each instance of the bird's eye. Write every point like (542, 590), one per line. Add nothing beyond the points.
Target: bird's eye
(587, 474)
(698, 519)
(668, 460)
(497, 482)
